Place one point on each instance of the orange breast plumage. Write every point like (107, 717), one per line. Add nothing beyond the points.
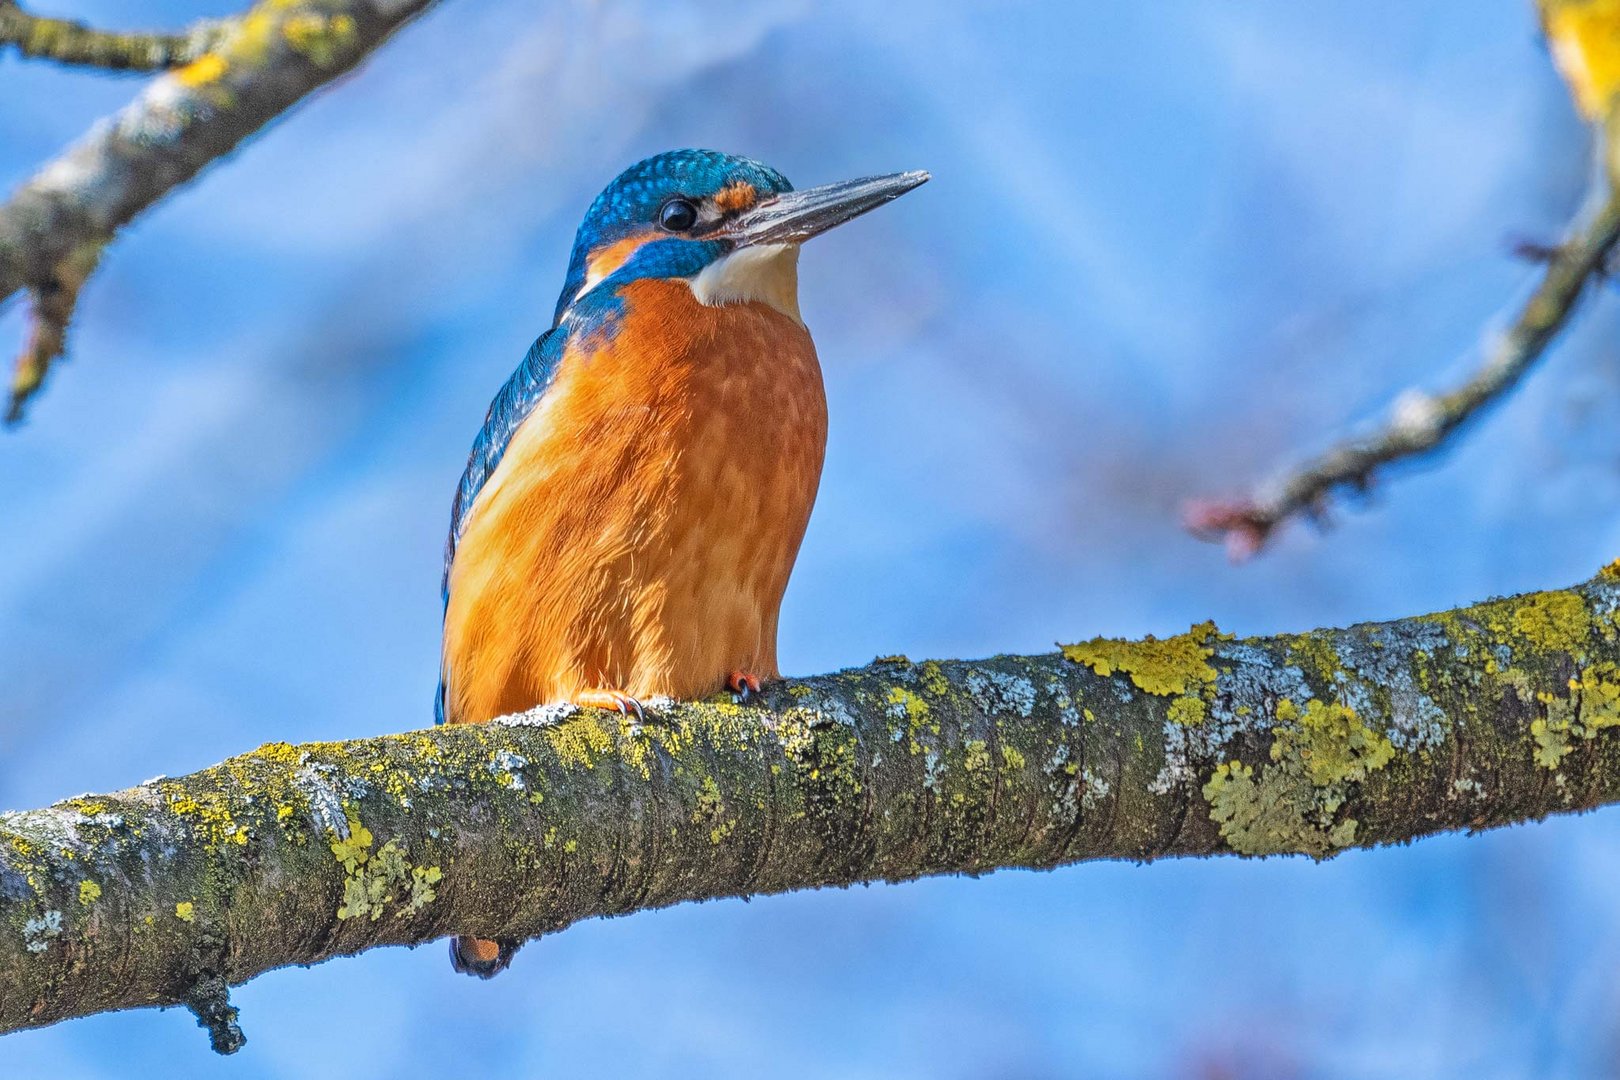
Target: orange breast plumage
(638, 533)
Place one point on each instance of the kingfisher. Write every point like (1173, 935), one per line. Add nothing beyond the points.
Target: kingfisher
(632, 508)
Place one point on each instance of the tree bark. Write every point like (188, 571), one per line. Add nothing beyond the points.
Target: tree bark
(257, 67)
(1196, 745)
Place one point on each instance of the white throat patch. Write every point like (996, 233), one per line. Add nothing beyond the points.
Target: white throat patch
(768, 273)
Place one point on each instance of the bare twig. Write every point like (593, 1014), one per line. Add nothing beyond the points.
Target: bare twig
(1420, 422)
(1584, 37)
(53, 304)
(69, 42)
(261, 65)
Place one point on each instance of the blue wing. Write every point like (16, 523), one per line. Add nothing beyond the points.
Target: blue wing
(516, 400)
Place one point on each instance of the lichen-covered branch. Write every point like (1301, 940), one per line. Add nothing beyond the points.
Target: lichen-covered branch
(1584, 37)
(1200, 744)
(68, 42)
(259, 66)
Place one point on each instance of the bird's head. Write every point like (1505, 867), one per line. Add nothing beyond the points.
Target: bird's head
(729, 226)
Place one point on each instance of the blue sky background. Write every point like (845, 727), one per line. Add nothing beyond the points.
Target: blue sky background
(1167, 247)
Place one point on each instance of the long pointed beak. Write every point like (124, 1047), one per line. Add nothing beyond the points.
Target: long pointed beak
(795, 216)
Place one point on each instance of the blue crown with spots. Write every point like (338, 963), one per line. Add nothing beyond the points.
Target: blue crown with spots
(632, 201)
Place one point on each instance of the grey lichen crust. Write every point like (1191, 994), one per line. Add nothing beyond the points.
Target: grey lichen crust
(1194, 745)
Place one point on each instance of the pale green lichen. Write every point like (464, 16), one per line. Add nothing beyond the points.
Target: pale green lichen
(1264, 814)
(1592, 705)
(1552, 743)
(371, 878)
(1293, 803)
(1331, 741)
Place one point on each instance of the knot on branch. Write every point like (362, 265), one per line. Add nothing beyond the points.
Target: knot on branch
(209, 999)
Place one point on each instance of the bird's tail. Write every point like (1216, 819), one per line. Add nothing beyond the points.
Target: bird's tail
(481, 956)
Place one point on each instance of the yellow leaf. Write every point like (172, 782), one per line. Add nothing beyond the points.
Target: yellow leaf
(1585, 39)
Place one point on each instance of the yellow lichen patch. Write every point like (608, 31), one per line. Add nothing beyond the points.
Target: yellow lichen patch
(209, 814)
(579, 741)
(89, 892)
(933, 678)
(203, 71)
(319, 37)
(1164, 668)
(1554, 622)
(1611, 572)
(1331, 742)
(1585, 39)
(977, 755)
(1188, 710)
(908, 703)
(1175, 667)
(185, 911)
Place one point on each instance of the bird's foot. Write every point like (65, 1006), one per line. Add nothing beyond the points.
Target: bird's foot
(742, 684)
(610, 699)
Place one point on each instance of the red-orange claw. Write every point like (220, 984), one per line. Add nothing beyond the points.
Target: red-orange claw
(610, 699)
(743, 684)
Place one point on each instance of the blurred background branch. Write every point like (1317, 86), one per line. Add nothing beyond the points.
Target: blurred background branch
(253, 70)
(69, 42)
(1195, 745)
(1584, 37)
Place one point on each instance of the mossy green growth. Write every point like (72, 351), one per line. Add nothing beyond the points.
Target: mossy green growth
(1176, 667)
(710, 808)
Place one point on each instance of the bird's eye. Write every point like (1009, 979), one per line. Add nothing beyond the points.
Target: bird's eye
(678, 215)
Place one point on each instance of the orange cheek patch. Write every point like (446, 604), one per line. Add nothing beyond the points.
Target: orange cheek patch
(736, 196)
(609, 258)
